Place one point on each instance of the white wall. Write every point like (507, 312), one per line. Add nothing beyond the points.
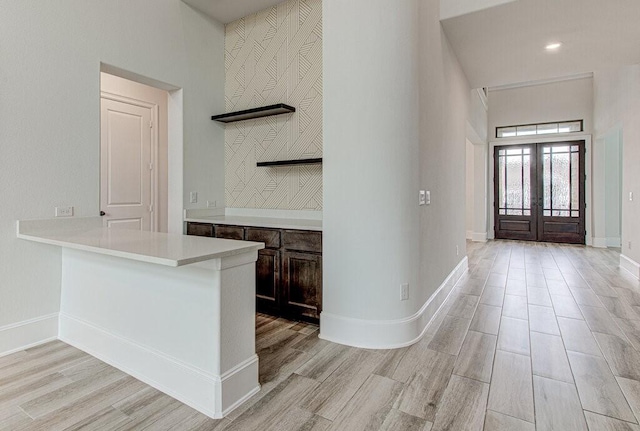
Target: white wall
(558, 101)
(469, 179)
(617, 107)
(478, 119)
(477, 166)
(49, 117)
(395, 114)
(289, 71)
(444, 113)
(613, 187)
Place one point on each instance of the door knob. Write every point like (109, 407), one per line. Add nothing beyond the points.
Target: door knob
(102, 213)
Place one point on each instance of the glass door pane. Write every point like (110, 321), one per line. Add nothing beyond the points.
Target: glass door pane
(560, 181)
(514, 176)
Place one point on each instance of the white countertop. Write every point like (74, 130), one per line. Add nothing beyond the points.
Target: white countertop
(276, 223)
(153, 247)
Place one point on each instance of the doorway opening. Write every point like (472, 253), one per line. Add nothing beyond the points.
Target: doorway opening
(540, 192)
(133, 154)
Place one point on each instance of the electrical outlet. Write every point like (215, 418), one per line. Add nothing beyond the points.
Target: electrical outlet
(457, 251)
(629, 245)
(193, 197)
(404, 292)
(422, 197)
(631, 196)
(64, 212)
(212, 204)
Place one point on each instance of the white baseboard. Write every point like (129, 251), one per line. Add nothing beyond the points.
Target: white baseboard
(479, 237)
(162, 372)
(606, 242)
(630, 265)
(614, 242)
(599, 242)
(469, 234)
(389, 334)
(29, 333)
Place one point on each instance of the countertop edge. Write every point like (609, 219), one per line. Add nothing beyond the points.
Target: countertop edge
(140, 257)
(269, 224)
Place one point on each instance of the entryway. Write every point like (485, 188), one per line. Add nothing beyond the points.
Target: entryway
(133, 173)
(540, 192)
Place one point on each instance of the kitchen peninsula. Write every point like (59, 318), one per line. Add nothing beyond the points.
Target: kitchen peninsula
(288, 270)
(175, 311)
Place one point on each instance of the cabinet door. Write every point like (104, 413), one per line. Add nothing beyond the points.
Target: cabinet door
(268, 281)
(199, 229)
(302, 286)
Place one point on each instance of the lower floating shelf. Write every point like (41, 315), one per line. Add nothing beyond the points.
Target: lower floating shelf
(292, 162)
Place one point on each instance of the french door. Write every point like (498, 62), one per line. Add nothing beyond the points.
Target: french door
(540, 192)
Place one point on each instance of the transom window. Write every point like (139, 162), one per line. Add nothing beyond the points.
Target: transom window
(540, 129)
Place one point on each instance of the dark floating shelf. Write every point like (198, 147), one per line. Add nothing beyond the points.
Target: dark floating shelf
(291, 162)
(250, 114)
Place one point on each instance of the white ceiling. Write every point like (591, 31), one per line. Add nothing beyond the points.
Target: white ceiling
(227, 11)
(505, 44)
(451, 8)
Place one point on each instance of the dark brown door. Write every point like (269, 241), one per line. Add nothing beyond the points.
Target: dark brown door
(515, 192)
(540, 192)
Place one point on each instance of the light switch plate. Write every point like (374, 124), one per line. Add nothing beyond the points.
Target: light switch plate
(193, 197)
(631, 196)
(428, 198)
(422, 198)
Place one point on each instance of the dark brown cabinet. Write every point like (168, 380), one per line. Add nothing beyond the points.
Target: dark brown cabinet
(288, 269)
(200, 229)
(268, 281)
(229, 232)
(302, 284)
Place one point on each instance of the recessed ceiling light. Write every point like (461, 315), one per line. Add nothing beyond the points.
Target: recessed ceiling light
(553, 46)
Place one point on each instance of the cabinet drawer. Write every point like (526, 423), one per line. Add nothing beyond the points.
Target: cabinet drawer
(229, 232)
(302, 240)
(271, 238)
(200, 229)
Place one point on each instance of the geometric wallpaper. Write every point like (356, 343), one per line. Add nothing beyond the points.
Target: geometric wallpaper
(275, 56)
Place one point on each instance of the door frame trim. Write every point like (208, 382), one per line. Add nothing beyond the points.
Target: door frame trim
(544, 140)
(175, 142)
(155, 147)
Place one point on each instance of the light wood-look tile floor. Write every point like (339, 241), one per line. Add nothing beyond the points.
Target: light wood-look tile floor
(534, 336)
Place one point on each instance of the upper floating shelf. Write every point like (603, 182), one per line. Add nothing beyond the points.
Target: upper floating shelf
(291, 162)
(250, 114)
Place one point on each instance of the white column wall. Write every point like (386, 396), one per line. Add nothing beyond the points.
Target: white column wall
(395, 114)
(617, 107)
(371, 155)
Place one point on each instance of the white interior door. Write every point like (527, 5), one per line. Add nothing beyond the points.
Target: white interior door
(126, 165)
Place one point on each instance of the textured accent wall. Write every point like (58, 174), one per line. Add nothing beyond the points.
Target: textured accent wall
(275, 56)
